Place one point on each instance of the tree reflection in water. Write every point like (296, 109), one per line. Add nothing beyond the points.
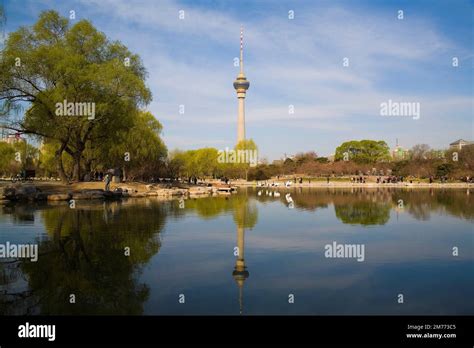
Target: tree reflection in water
(84, 252)
(85, 256)
(372, 206)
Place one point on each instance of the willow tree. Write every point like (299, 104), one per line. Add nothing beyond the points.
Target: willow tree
(53, 63)
(139, 151)
(199, 162)
(247, 154)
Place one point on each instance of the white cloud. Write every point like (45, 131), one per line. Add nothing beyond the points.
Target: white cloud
(295, 62)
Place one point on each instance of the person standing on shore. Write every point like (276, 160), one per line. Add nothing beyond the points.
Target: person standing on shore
(107, 182)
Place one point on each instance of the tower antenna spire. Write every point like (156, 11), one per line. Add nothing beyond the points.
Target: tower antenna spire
(241, 49)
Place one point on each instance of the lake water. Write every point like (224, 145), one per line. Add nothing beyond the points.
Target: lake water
(250, 253)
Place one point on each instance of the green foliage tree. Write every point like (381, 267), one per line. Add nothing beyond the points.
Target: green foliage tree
(17, 157)
(363, 151)
(444, 169)
(175, 164)
(249, 148)
(8, 165)
(205, 161)
(194, 163)
(139, 150)
(259, 173)
(52, 62)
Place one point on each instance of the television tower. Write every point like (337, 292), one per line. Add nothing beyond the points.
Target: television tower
(241, 85)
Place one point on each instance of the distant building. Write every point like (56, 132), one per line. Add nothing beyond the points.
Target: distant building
(331, 157)
(459, 144)
(12, 138)
(399, 153)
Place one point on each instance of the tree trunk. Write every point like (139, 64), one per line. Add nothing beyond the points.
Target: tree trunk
(59, 164)
(76, 173)
(88, 166)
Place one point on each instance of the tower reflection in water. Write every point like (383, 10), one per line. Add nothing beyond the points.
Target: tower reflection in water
(240, 272)
(245, 214)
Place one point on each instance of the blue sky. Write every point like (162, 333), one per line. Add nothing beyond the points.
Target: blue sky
(295, 62)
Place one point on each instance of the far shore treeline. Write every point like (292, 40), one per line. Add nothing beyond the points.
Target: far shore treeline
(99, 87)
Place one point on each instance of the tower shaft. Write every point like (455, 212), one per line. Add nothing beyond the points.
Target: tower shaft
(241, 246)
(241, 119)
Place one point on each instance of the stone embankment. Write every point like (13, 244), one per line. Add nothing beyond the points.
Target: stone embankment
(32, 193)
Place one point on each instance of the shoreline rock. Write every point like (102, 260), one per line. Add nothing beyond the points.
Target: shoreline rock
(23, 193)
(59, 197)
(30, 193)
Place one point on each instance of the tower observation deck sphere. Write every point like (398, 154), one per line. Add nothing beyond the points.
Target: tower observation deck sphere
(241, 84)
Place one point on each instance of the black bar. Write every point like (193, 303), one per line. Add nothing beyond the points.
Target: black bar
(234, 329)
